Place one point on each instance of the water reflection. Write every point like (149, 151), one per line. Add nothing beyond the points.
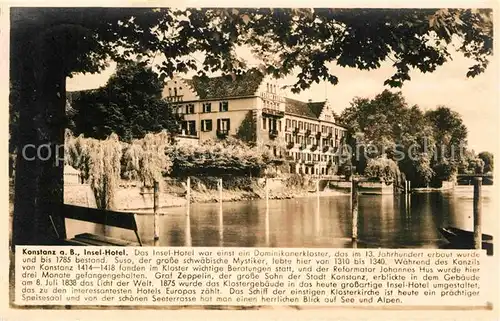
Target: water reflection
(384, 221)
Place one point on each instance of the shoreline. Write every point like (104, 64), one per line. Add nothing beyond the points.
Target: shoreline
(147, 210)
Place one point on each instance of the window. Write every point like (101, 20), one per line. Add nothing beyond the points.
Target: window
(207, 107)
(175, 91)
(279, 125)
(170, 91)
(223, 125)
(301, 125)
(264, 122)
(223, 106)
(206, 125)
(294, 123)
(190, 109)
(189, 127)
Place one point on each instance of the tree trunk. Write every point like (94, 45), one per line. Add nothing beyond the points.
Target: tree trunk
(39, 70)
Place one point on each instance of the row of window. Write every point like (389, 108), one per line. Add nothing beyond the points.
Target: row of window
(302, 125)
(271, 123)
(299, 139)
(206, 125)
(311, 171)
(206, 108)
(308, 157)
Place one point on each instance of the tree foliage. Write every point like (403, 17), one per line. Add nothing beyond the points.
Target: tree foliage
(99, 163)
(130, 105)
(284, 38)
(427, 146)
(487, 159)
(382, 168)
(219, 157)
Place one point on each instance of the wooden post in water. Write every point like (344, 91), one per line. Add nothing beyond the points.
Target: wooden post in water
(477, 207)
(267, 191)
(188, 196)
(267, 226)
(267, 211)
(221, 221)
(156, 202)
(354, 208)
(188, 212)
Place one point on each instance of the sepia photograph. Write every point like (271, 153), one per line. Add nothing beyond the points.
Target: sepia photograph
(277, 128)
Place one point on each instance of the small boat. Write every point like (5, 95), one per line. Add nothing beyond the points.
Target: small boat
(462, 237)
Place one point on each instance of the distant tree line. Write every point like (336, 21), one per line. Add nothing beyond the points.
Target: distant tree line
(393, 141)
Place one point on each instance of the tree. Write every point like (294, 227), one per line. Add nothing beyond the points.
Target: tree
(383, 169)
(487, 158)
(130, 105)
(386, 126)
(67, 40)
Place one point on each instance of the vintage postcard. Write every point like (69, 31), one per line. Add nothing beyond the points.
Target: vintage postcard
(326, 161)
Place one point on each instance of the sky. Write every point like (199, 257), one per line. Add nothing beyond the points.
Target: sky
(475, 99)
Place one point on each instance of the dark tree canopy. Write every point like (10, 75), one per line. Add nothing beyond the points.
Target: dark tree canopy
(130, 105)
(487, 158)
(285, 39)
(427, 146)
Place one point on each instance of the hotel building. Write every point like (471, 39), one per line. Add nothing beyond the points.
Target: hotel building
(252, 107)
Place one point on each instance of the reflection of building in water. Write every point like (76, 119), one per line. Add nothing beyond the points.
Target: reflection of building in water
(253, 107)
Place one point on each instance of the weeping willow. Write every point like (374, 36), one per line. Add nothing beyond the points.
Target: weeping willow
(145, 159)
(99, 162)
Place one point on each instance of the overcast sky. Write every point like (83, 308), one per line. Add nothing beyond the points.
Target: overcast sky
(474, 98)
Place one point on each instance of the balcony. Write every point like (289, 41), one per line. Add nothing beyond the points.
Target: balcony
(314, 147)
(308, 132)
(329, 136)
(326, 148)
(318, 135)
(296, 130)
(222, 133)
(302, 146)
(273, 133)
(290, 145)
(273, 112)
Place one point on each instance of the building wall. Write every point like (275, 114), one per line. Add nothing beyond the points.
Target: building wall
(267, 106)
(320, 161)
(238, 109)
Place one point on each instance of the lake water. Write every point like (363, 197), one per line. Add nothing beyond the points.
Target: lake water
(384, 221)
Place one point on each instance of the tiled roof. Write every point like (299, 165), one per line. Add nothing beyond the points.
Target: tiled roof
(309, 109)
(224, 86)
